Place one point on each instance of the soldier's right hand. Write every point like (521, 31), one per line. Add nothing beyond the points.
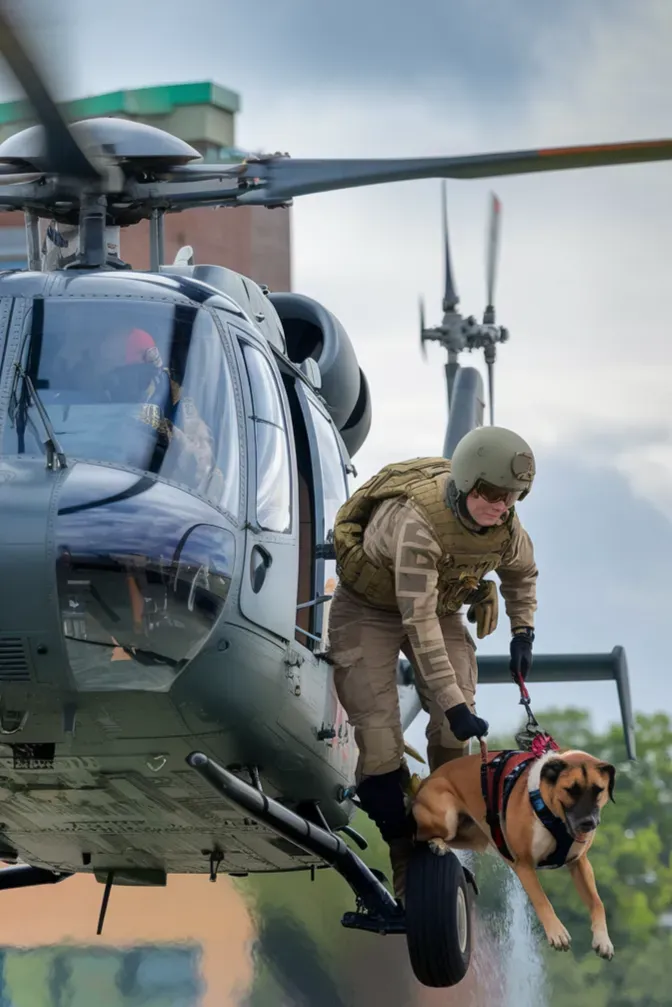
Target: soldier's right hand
(464, 724)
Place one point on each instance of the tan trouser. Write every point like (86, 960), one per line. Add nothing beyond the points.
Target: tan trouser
(364, 645)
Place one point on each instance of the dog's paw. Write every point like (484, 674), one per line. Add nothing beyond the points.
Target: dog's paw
(439, 847)
(558, 936)
(602, 946)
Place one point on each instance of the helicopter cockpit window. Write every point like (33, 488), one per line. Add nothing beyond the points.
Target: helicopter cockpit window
(273, 476)
(143, 384)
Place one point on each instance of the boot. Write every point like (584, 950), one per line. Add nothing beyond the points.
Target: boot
(437, 755)
(400, 853)
(382, 798)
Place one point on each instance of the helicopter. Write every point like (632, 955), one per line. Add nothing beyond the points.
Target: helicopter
(175, 445)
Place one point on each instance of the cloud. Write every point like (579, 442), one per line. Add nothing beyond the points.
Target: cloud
(300, 43)
(648, 469)
(583, 264)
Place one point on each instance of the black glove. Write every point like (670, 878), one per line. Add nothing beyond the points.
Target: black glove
(464, 724)
(521, 653)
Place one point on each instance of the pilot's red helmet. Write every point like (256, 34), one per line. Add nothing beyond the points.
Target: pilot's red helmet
(137, 345)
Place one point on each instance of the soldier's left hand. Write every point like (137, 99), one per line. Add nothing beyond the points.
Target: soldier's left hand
(521, 653)
(484, 609)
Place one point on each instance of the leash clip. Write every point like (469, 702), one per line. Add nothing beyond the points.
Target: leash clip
(532, 738)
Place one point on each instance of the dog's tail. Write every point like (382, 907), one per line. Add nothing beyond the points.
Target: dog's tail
(414, 754)
(413, 780)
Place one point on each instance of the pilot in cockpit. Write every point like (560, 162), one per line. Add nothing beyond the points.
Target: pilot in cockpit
(125, 367)
(192, 456)
(141, 376)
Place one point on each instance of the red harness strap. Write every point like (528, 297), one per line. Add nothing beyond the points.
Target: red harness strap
(499, 773)
(498, 776)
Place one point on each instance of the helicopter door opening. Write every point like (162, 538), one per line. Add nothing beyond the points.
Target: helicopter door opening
(306, 449)
(305, 612)
(268, 588)
(330, 491)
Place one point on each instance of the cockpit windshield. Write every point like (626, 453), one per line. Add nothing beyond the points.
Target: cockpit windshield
(139, 383)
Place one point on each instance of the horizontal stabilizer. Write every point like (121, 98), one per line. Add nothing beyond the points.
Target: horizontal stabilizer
(494, 670)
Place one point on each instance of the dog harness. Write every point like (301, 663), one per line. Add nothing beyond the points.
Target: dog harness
(498, 776)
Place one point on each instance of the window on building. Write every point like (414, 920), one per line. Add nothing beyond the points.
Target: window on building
(270, 431)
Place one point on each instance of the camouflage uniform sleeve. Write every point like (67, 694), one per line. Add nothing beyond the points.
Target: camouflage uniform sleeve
(414, 552)
(518, 575)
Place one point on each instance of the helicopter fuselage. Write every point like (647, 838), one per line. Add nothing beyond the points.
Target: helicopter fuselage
(149, 580)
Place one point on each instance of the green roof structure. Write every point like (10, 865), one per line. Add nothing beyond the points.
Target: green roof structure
(199, 112)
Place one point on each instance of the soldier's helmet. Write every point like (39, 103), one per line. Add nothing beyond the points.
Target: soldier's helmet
(495, 462)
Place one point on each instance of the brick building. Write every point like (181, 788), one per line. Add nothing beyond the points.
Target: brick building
(251, 239)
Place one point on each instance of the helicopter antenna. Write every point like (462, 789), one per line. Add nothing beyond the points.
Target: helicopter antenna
(457, 334)
(109, 881)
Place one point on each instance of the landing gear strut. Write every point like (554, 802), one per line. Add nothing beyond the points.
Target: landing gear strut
(377, 911)
(437, 920)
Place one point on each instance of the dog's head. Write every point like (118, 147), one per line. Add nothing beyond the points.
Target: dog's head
(575, 786)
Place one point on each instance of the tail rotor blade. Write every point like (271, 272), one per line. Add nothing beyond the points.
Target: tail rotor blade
(491, 390)
(493, 249)
(422, 329)
(450, 298)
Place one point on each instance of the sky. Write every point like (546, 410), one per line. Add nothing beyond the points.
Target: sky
(583, 268)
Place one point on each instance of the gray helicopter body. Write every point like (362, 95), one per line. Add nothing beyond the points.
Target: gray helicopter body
(103, 710)
(174, 447)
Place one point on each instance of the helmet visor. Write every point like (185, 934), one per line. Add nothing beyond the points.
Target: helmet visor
(497, 494)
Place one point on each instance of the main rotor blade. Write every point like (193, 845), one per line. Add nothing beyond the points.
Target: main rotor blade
(450, 298)
(287, 177)
(63, 155)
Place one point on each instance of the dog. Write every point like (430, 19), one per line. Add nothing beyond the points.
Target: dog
(537, 812)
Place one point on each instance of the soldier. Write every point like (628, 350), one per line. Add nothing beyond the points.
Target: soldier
(413, 545)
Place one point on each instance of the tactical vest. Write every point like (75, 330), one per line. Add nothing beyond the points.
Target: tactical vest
(467, 556)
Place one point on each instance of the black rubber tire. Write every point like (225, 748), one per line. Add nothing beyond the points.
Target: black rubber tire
(438, 899)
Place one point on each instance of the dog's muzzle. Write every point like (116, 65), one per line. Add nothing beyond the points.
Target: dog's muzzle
(581, 829)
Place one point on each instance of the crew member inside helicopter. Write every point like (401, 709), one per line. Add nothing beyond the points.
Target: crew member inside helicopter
(116, 398)
(192, 459)
(413, 545)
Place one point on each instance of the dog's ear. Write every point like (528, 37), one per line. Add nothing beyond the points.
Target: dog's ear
(551, 770)
(606, 767)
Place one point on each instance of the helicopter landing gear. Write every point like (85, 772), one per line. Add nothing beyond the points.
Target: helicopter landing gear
(439, 897)
(437, 919)
(377, 911)
(313, 812)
